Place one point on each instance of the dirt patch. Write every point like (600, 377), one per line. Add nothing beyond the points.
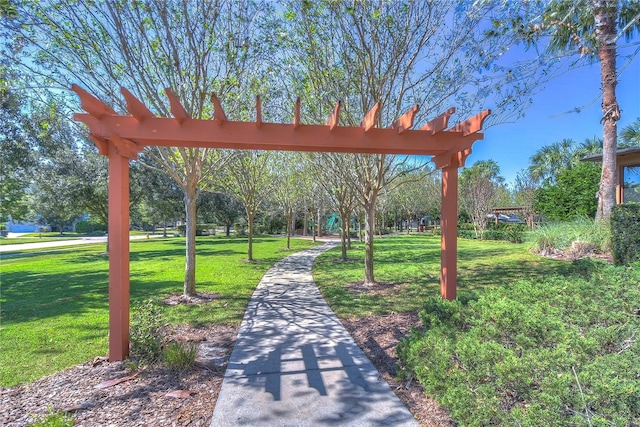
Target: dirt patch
(378, 337)
(199, 298)
(154, 397)
(576, 252)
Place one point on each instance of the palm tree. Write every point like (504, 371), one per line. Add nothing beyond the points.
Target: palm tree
(630, 135)
(592, 27)
(551, 159)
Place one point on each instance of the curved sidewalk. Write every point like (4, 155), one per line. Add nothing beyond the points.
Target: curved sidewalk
(294, 364)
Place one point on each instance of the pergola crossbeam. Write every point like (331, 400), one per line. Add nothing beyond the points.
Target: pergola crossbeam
(177, 110)
(334, 118)
(296, 113)
(258, 111)
(405, 121)
(472, 124)
(136, 107)
(218, 112)
(369, 120)
(439, 123)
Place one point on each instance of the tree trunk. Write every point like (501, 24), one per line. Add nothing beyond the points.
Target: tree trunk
(289, 226)
(305, 222)
(319, 223)
(250, 249)
(164, 234)
(344, 232)
(605, 14)
(190, 197)
(227, 229)
(369, 222)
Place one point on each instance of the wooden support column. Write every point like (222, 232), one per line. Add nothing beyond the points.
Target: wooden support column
(449, 228)
(118, 255)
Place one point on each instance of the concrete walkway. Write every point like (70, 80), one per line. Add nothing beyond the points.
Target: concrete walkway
(294, 364)
(60, 243)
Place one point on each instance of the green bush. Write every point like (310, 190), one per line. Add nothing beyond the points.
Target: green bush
(625, 233)
(561, 235)
(180, 356)
(89, 227)
(201, 229)
(562, 352)
(145, 334)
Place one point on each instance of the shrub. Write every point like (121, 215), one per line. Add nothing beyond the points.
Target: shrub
(146, 331)
(87, 227)
(625, 233)
(180, 356)
(561, 235)
(562, 352)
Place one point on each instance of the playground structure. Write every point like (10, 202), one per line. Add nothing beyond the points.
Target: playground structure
(123, 137)
(334, 224)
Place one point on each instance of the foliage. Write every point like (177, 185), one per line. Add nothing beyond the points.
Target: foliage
(510, 232)
(560, 351)
(549, 237)
(625, 233)
(572, 196)
(55, 302)
(145, 333)
(54, 419)
(86, 227)
(479, 192)
(180, 356)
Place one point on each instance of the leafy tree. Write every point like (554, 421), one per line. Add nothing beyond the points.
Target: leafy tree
(248, 177)
(525, 194)
(288, 186)
(479, 191)
(227, 209)
(195, 48)
(162, 198)
(547, 162)
(572, 196)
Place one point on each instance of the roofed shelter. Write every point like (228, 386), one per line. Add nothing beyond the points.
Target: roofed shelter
(625, 158)
(123, 137)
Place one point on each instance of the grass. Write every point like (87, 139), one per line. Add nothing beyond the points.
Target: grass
(412, 263)
(561, 235)
(55, 303)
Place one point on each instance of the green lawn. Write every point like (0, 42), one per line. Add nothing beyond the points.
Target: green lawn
(412, 264)
(55, 304)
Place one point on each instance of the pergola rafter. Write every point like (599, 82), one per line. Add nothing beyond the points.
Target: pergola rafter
(123, 137)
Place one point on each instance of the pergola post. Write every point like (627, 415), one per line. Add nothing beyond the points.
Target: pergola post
(449, 236)
(118, 255)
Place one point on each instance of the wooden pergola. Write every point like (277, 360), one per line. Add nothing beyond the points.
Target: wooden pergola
(123, 137)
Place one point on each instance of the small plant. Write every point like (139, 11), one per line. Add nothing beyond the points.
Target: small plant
(180, 356)
(146, 331)
(551, 237)
(54, 419)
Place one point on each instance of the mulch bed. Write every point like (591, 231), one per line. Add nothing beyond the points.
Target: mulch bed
(157, 396)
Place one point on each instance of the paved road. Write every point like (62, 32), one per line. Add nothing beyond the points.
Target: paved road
(294, 364)
(60, 243)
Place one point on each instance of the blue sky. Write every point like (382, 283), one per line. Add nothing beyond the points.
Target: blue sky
(550, 119)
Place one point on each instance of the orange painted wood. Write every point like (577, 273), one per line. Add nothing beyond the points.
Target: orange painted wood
(118, 255)
(136, 107)
(258, 111)
(274, 136)
(218, 112)
(440, 123)
(334, 118)
(177, 110)
(296, 114)
(91, 104)
(369, 120)
(449, 237)
(471, 125)
(405, 121)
